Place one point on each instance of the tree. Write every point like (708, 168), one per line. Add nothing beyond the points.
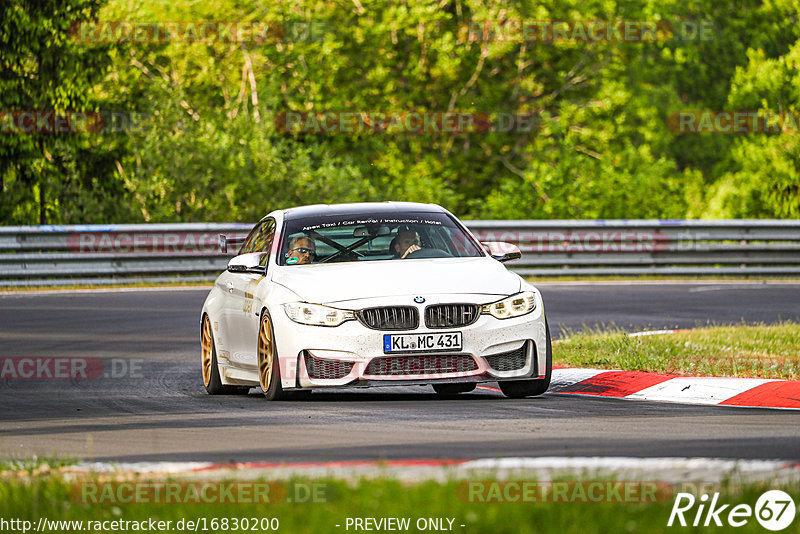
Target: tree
(44, 70)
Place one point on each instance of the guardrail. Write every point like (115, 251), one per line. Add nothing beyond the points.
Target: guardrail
(104, 254)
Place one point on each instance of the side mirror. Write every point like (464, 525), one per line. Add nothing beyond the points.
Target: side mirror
(502, 251)
(248, 263)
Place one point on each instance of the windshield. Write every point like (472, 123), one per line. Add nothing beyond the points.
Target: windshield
(343, 238)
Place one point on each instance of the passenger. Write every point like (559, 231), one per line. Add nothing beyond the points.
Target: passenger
(405, 242)
(302, 250)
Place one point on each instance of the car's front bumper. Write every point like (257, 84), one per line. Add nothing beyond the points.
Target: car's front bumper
(356, 346)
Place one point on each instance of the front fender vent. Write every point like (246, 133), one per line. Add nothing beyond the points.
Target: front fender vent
(509, 361)
(323, 369)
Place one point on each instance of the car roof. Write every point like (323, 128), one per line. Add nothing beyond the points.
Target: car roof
(371, 208)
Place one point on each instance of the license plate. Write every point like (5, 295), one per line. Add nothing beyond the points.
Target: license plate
(441, 341)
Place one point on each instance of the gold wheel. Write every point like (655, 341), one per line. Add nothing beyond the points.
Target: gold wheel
(208, 363)
(266, 354)
(206, 351)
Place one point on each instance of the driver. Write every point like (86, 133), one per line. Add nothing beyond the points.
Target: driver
(302, 250)
(406, 242)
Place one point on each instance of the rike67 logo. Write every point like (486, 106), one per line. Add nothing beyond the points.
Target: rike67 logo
(774, 510)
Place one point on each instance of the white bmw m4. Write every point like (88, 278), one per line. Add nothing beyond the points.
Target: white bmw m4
(372, 294)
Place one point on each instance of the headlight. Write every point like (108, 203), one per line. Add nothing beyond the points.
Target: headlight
(512, 306)
(316, 314)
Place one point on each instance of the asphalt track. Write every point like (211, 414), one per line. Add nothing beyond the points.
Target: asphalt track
(161, 412)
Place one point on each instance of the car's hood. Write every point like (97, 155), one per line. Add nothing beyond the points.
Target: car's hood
(348, 281)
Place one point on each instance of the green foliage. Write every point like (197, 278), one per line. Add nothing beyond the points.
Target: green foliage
(50, 177)
(762, 177)
(209, 148)
(476, 502)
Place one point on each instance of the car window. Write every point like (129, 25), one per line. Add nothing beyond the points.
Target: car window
(362, 237)
(247, 246)
(260, 238)
(263, 239)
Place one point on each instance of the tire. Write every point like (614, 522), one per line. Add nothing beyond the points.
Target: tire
(269, 372)
(209, 366)
(517, 389)
(451, 390)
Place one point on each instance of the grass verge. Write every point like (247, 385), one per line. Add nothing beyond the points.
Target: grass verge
(55, 499)
(33, 466)
(754, 351)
